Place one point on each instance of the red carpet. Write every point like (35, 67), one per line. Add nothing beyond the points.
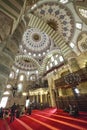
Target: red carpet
(48, 119)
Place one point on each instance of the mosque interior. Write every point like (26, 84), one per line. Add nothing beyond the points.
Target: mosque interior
(43, 52)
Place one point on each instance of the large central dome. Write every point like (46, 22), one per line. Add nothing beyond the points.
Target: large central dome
(58, 17)
(35, 40)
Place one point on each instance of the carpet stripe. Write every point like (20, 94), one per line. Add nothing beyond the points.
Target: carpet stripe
(62, 122)
(74, 119)
(7, 126)
(42, 123)
(24, 125)
(47, 119)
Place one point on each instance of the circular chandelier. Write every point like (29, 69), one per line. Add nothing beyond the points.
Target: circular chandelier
(72, 79)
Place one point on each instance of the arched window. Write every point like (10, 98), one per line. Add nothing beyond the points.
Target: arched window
(11, 75)
(3, 102)
(21, 77)
(20, 87)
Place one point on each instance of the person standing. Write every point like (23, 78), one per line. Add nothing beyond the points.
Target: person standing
(13, 110)
(1, 113)
(29, 109)
(28, 106)
(75, 111)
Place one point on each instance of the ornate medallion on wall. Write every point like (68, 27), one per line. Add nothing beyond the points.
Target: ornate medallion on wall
(82, 41)
(33, 77)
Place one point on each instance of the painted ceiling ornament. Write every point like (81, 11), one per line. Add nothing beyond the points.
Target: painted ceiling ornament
(53, 24)
(58, 16)
(35, 40)
(26, 63)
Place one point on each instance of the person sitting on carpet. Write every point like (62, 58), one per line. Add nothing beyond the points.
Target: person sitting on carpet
(70, 109)
(75, 111)
(66, 109)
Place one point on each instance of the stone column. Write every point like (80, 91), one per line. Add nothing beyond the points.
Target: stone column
(41, 97)
(51, 91)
